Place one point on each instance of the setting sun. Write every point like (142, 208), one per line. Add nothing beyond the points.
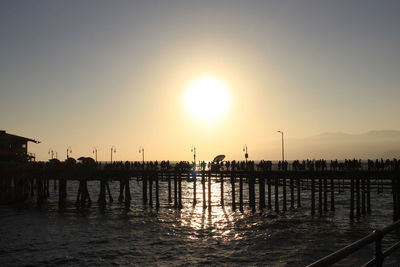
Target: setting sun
(207, 99)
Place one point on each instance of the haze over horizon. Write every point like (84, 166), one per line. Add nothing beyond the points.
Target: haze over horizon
(167, 75)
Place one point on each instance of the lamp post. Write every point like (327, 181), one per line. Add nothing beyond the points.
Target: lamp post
(51, 152)
(246, 155)
(69, 150)
(193, 149)
(283, 148)
(113, 149)
(141, 151)
(95, 153)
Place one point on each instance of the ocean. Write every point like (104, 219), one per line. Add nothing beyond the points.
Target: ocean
(140, 235)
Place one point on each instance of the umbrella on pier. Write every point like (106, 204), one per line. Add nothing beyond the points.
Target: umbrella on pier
(86, 160)
(219, 158)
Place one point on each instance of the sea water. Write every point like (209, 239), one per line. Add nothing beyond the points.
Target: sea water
(141, 235)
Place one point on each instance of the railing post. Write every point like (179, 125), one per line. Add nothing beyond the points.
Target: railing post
(378, 249)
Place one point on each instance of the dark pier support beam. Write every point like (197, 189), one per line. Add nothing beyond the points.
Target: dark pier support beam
(222, 188)
(363, 207)
(291, 193)
(277, 195)
(194, 177)
(284, 194)
(312, 195)
(175, 189)
(298, 192)
(352, 198)
(332, 194)
(32, 193)
(209, 190)
(203, 186)
(62, 190)
(169, 189)
(180, 190)
(79, 195)
(261, 191)
(157, 190)
(396, 197)
(102, 195)
(83, 193)
(109, 192)
(47, 180)
(233, 190)
(269, 193)
(325, 194)
(368, 195)
(252, 183)
(144, 187)
(320, 195)
(358, 196)
(150, 189)
(241, 192)
(249, 184)
(121, 189)
(128, 196)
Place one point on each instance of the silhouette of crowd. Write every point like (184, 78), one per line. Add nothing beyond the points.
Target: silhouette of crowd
(249, 165)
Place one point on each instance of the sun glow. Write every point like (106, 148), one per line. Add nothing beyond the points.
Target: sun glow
(207, 99)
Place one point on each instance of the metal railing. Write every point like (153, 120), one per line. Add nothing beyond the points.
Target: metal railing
(376, 236)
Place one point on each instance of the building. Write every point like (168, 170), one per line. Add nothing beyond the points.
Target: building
(15, 148)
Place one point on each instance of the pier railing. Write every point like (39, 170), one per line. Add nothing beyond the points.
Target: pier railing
(376, 236)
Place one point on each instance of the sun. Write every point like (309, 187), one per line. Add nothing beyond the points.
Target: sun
(207, 99)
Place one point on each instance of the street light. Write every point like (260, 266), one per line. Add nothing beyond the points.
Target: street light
(283, 148)
(51, 152)
(193, 149)
(141, 150)
(113, 149)
(69, 150)
(95, 152)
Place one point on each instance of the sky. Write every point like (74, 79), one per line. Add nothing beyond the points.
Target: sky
(97, 74)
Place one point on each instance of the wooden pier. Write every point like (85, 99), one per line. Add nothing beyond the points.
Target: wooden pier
(278, 190)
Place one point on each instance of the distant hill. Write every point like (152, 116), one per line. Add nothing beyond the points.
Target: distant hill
(332, 145)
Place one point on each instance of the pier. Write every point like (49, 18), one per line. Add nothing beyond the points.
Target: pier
(278, 190)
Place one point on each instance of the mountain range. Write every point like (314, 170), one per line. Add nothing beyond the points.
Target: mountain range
(336, 145)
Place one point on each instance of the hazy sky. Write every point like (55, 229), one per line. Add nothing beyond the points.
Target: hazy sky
(100, 73)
